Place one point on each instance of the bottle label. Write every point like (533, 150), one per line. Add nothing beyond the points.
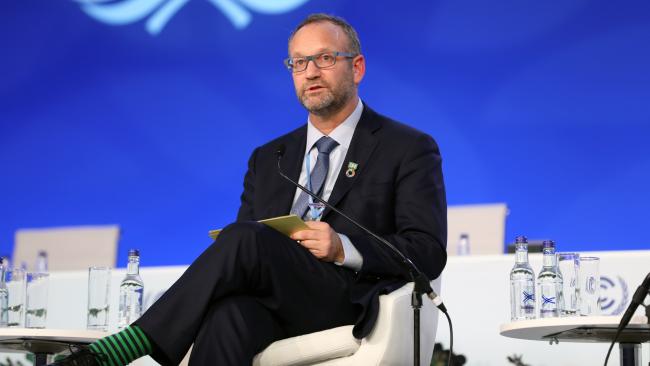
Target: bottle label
(528, 302)
(548, 306)
(548, 301)
(527, 299)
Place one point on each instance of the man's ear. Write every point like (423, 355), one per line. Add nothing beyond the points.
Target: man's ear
(358, 68)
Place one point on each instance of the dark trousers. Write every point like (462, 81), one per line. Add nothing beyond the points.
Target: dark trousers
(251, 287)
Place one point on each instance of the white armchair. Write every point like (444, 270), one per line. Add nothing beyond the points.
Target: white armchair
(389, 343)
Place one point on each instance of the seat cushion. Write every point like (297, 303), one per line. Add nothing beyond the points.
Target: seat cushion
(309, 348)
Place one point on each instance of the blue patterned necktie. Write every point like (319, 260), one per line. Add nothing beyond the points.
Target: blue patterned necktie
(325, 145)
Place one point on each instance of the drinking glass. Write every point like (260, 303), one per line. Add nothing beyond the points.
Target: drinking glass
(16, 285)
(589, 286)
(569, 265)
(99, 283)
(38, 284)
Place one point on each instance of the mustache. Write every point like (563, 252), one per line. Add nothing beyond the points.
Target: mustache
(311, 85)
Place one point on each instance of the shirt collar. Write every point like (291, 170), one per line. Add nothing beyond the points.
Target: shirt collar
(341, 134)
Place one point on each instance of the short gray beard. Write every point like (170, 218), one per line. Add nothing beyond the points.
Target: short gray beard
(331, 103)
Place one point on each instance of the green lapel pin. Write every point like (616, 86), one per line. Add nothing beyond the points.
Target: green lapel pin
(352, 169)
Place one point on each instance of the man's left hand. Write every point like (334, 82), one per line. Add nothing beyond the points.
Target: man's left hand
(322, 241)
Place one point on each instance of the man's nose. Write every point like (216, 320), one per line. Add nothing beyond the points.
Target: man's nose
(312, 70)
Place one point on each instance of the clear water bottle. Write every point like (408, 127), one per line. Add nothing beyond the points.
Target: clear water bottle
(40, 266)
(463, 245)
(6, 262)
(4, 297)
(131, 291)
(522, 284)
(549, 282)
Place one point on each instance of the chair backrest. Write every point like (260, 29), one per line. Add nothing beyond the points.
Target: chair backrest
(485, 224)
(68, 248)
(391, 341)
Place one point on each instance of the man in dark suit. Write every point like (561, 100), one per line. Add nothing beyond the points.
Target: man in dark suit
(254, 285)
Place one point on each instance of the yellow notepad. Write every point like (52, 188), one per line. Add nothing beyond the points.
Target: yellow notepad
(287, 225)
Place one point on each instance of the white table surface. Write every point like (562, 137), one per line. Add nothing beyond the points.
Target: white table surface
(592, 329)
(47, 341)
(79, 336)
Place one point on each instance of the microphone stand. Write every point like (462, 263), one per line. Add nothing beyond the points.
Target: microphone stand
(637, 300)
(647, 315)
(421, 283)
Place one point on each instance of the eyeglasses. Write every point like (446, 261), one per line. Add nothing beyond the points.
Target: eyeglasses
(321, 60)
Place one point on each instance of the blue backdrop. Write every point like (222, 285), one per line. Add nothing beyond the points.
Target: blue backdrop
(143, 112)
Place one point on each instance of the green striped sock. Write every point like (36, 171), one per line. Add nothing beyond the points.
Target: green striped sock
(123, 347)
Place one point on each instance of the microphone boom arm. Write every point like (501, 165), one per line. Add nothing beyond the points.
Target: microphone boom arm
(421, 282)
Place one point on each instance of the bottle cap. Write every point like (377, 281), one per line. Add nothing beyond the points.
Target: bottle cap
(521, 239)
(464, 236)
(134, 253)
(548, 244)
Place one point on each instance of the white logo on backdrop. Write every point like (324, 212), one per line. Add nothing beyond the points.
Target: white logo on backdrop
(120, 12)
(614, 295)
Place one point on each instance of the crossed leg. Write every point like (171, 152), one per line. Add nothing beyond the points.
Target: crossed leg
(252, 286)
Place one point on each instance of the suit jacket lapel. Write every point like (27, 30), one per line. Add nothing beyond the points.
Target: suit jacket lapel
(291, 166)
(361, 147)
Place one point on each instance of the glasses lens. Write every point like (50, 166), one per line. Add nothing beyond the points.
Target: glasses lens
(325, 59)
(299, 63)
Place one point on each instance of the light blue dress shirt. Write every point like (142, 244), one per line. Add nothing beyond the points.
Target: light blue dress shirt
(343, 135)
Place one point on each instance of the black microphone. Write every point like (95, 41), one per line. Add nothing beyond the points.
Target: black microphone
(641, 292)
(420, 280)
(279, 152)
(637, 299)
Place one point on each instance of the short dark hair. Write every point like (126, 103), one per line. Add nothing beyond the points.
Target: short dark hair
(353, 38)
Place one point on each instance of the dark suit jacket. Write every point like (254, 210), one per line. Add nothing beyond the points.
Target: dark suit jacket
(398, 192)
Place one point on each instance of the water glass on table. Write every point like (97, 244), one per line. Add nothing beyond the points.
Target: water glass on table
(589, 286)
(569, 265)
(99, 282)
(38, 284)
(16, 286)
